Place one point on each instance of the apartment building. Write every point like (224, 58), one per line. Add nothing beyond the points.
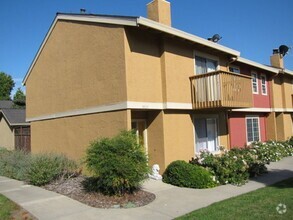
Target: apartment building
(95, 75)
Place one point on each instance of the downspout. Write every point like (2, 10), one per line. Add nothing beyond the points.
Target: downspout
(231, 60)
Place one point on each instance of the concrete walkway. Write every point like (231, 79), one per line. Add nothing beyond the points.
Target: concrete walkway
(170, 201)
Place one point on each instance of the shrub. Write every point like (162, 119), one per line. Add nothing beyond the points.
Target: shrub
(119, 164)
(236, 165)
(45, 168)
(272, 151)
(228, 167)
(255, 166)
(14, 164)
(183, 174)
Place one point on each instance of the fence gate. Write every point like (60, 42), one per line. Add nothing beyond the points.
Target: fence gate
(22, 137)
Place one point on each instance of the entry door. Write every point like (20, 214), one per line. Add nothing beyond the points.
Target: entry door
(139, 126)
(206, 134)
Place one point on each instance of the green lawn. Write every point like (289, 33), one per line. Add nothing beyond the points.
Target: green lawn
(259, 204)
(6, 208)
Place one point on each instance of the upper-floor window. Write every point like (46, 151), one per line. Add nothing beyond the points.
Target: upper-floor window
(234, 69)
(264, 89)
(205, 65)
(254, 83)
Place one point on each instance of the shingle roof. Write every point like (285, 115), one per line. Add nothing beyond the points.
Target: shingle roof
(6, 104)
(14, 116)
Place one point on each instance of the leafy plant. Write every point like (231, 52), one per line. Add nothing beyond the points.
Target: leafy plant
(14, 164)
(19, 99)
(236, 165)
(183, 174)
(119, 164)
(45, 168)
(6, 86)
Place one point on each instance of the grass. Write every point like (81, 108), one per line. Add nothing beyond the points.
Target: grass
(259, 204)
(6, 208)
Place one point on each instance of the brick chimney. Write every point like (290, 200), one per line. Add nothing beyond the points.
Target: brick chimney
(277, 59)
(160, 11)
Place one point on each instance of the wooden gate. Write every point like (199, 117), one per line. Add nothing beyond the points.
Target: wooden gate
(22, 137)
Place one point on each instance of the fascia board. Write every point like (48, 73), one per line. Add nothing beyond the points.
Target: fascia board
(258, 65)
(290, 72)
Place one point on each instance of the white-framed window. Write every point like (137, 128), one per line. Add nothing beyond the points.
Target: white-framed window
(254, 83)
(252, 129)
(205, 65)
(206, 133)
(234, 69)
(264, 89)
(205, 62)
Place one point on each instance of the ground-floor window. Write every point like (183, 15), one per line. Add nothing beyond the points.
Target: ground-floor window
(252, 128)
(206, 134)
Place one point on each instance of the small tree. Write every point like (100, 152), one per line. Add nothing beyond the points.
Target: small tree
(19, 99)
(6, 86)
(119, 164)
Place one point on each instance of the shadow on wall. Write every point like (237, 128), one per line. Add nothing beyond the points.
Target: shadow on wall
(143, 42)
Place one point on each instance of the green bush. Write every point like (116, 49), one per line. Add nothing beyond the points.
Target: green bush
(45, 168)
(273, 151)
(119, 164)
(236, 165)
(228, 167)
(183, 174)
(256, 167)
(14, 164)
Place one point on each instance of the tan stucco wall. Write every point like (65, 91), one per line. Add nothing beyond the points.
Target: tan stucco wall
(282, 91)
(287, 126)
(158, 69)
(223, 135)
(72, 135)
(6, 135)
(178, 136)
(143, 67)
(81, 65)
(271, 126)
(156, 142)
(178, 63)
(284, 126)
(288, 91)
(277, 93)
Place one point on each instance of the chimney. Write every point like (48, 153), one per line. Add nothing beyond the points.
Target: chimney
(160, 11)
(277, 59)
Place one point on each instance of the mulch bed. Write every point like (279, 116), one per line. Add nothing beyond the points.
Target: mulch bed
(73, 188)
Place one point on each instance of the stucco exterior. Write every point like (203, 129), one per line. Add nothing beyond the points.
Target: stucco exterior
(93, 79)
(6, 135)
(143, 67)
(81, 65)
(72, 135)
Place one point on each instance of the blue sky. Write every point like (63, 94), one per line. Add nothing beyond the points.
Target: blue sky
(253, 27)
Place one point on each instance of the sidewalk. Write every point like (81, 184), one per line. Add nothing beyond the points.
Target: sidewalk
(170, 201)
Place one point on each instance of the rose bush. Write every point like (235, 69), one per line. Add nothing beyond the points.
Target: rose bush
(238, 164)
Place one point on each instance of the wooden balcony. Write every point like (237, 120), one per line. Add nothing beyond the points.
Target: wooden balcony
(221, 89)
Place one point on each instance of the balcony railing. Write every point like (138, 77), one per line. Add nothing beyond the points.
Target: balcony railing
(221, 89)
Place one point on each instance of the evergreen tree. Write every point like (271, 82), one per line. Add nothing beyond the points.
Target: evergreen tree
(19, 99)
